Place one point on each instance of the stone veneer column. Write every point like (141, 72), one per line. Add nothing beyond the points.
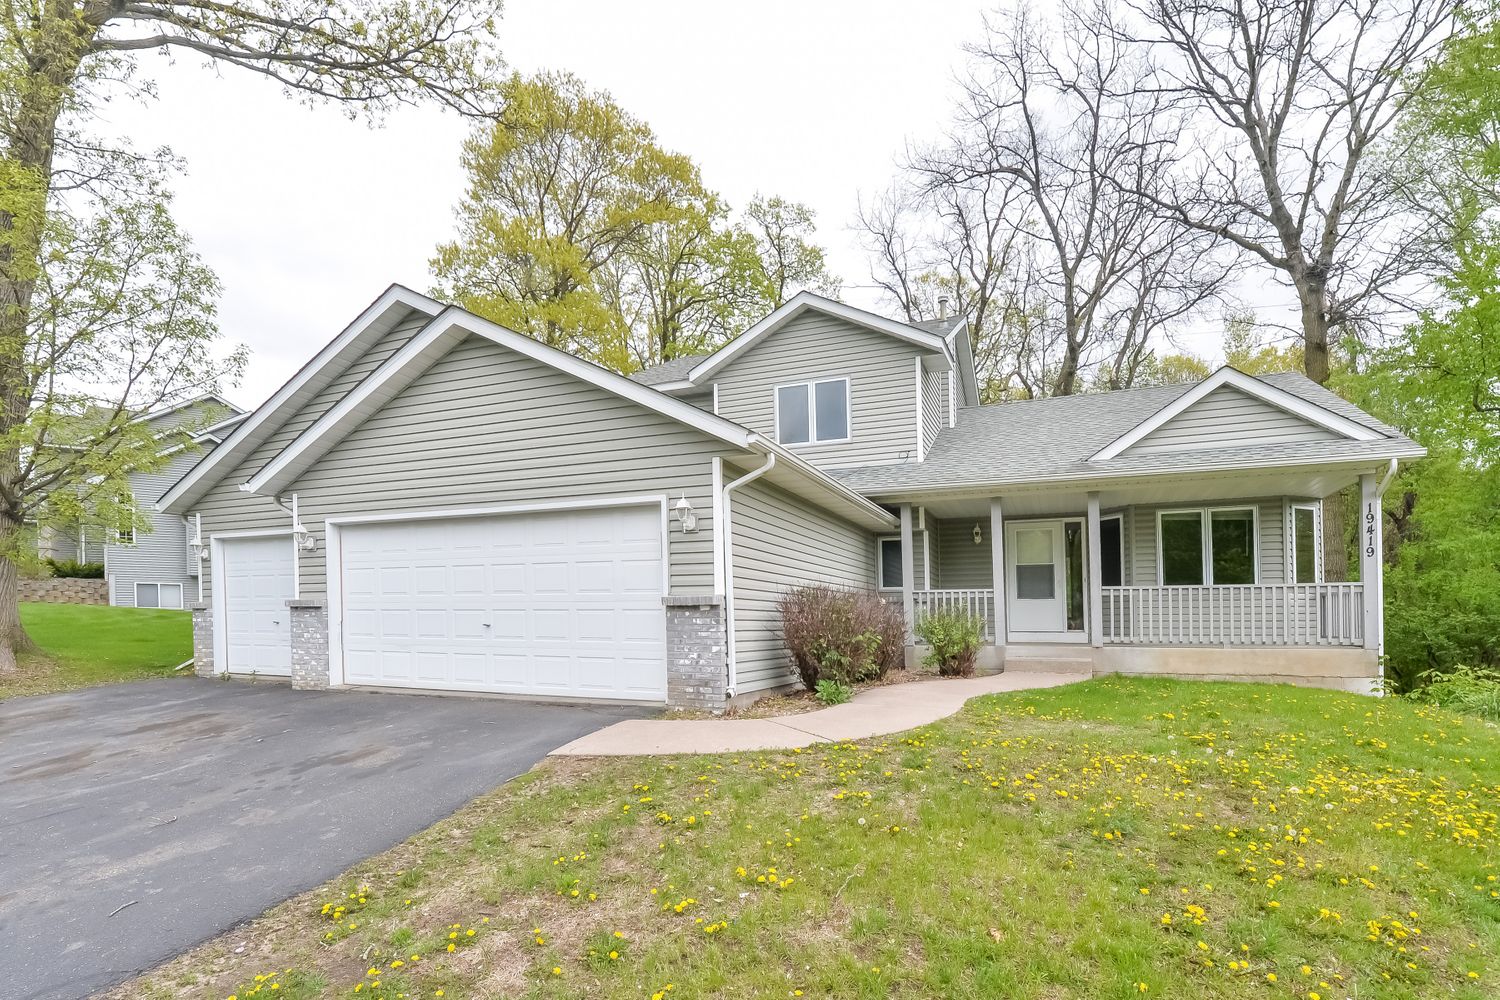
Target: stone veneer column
(309, 645)
(697, 651)
(203, 639)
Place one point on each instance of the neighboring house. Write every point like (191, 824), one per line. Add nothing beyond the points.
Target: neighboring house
(155, 568)
(435, 502)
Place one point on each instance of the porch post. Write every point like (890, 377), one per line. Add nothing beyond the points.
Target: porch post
(1095, 575)
(997, 567)
(908, 569)
(1370, 561)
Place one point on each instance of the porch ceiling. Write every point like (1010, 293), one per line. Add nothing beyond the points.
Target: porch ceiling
(1026, 501)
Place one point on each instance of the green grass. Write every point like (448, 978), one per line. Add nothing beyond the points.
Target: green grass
(83, 645)
(1111, 839)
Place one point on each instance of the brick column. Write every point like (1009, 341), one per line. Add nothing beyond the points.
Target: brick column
(309, 645)
(697, 651)
(203, 640)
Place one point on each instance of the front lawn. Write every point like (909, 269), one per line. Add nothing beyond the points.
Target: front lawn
(1116, 838)
(82, 645)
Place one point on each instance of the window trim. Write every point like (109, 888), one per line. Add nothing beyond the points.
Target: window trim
(158, 584)
(1205, 515)
(1316, 506)
(812, 411)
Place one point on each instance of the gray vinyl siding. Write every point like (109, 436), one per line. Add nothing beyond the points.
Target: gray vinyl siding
(1140, 538)
(159, 555)
(486, 426)
(781, 542)
(934, 406)
(882, 387)
(227, 508)
(964, 565)
(1227, 418)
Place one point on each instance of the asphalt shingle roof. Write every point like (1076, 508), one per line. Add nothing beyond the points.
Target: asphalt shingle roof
(1045, 438)
(668, 371)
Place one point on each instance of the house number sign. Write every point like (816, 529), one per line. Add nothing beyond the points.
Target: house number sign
(1370, 516)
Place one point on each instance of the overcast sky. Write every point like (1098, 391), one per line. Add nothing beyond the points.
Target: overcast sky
(307, 216)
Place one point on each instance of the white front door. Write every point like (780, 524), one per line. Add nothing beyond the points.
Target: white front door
(257, 581)
(1036, 584)
(560, 603)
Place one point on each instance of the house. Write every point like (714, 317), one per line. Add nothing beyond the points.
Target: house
(436, 502)
(152, 568)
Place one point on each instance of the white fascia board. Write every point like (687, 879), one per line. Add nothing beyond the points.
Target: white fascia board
(395, 297)
(794, 307)
(452, 325)
(875, 515)
(1251, 386)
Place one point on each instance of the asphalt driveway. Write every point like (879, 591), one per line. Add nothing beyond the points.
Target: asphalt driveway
(197, 804)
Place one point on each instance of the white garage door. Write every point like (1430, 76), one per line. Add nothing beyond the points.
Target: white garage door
(553, 604)
(257, 579)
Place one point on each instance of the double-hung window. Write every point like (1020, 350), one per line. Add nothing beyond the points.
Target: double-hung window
(813, 412)
(1215, 545)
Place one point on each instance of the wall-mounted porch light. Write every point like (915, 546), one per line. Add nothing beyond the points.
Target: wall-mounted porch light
(686, 516)
(978, 534)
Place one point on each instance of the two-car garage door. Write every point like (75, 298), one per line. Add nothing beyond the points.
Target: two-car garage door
(556, 603)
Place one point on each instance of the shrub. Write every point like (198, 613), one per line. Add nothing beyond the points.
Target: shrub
(841, 635)
(955, 637)
(68, 569)
(833, 693)
(1462, 689)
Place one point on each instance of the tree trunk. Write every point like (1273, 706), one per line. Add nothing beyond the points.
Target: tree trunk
(40, 95)
(13, 637)
(1314, 296)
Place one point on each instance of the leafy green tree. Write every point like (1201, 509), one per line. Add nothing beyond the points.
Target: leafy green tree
(579, 229)
(1439, 381)
(61, 188)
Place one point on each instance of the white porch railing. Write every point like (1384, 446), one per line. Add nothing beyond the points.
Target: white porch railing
(1269, 614)
(980, 603)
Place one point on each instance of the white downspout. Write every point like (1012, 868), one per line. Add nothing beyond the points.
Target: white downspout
(296, 548)
(726, 541)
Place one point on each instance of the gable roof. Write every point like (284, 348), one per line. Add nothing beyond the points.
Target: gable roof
(394, 306)
(207, 397)
(452, 326)
(1058, 439)
(1266, 392)
(810, 301)
(675, 370)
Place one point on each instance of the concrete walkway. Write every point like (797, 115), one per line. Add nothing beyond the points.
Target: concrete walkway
(876, 712)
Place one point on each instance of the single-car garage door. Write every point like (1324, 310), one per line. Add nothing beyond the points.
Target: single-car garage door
(256, 576)
(560, 603)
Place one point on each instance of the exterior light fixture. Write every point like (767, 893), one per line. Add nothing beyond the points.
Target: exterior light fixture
(686, 515)
(978, 534)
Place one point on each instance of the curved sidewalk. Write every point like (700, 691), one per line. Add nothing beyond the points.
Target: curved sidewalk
(876, 712)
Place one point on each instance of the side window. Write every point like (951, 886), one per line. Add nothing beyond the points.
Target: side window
(890, 563)
(1305, 542)
(1112, 552)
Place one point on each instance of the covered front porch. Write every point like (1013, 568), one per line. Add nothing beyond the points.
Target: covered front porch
(1210, 576)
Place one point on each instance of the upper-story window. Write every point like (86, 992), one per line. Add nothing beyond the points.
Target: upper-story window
(813, 412)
